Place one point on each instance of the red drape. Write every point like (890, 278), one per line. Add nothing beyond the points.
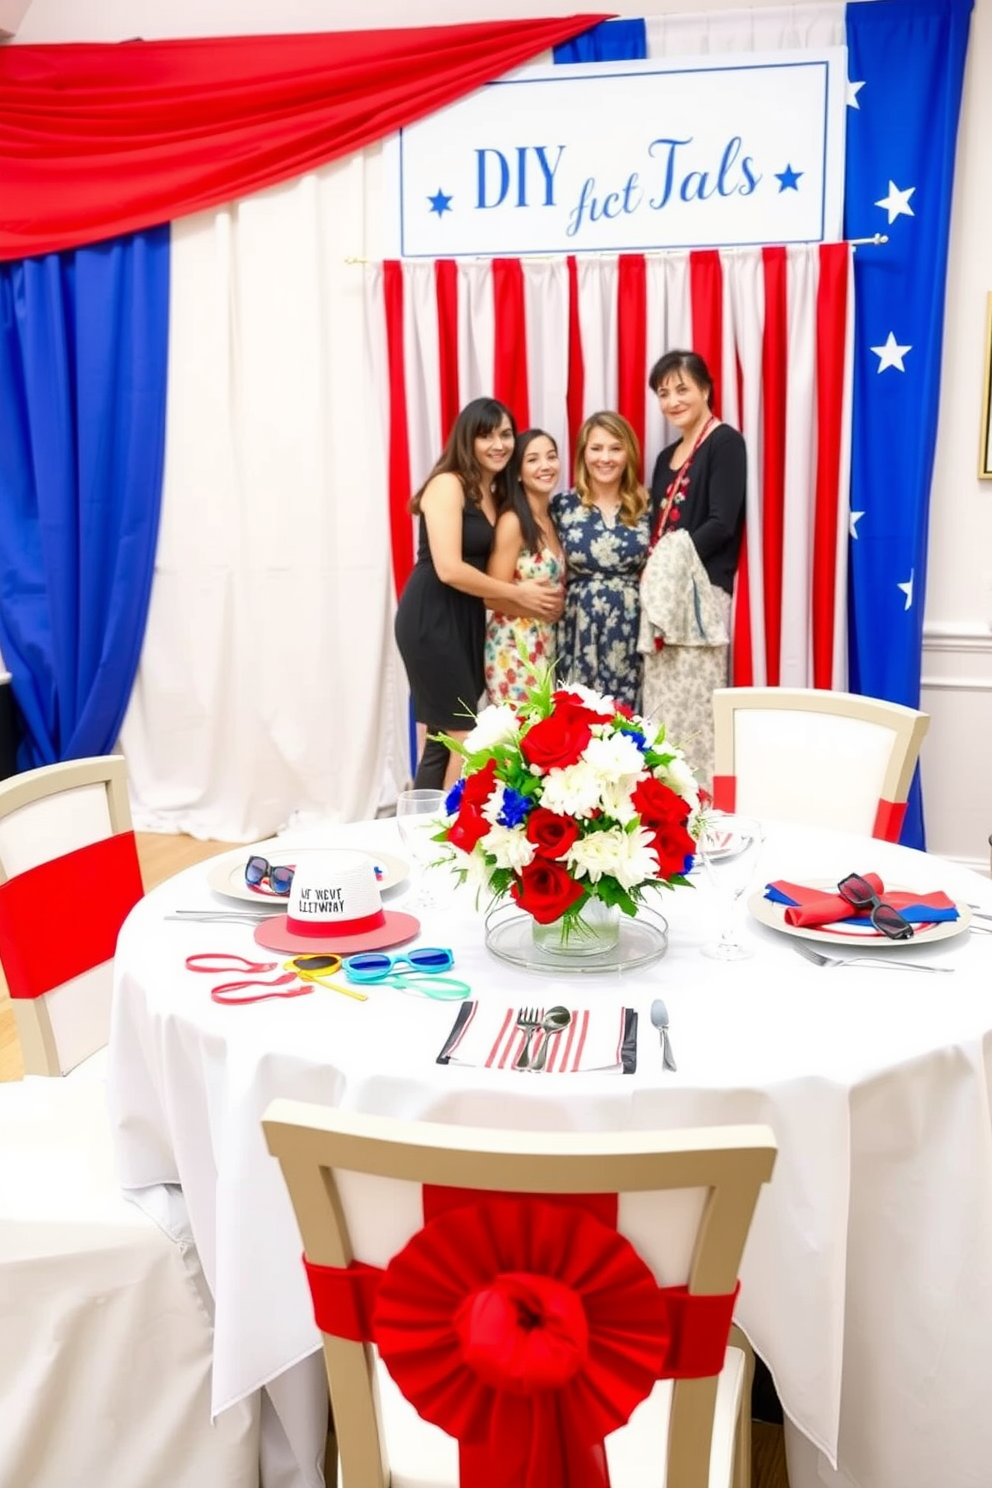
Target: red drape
(99, 140)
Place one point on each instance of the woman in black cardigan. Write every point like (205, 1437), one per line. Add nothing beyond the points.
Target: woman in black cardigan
(698, 488)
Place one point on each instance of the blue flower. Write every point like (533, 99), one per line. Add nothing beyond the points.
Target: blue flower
(516, 808)
(453, 799)
(690, 858)
(637, 738)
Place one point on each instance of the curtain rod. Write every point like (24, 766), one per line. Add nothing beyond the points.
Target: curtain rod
(875, 241)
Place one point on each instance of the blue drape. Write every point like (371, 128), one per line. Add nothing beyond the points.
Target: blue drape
(910, 56)
(83, 357)
(610, 41)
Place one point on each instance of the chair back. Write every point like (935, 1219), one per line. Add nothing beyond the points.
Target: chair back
(360, 1186)
(823, 759)
(69, 875)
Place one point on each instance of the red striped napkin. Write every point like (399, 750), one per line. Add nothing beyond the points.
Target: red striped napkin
(487, 1036)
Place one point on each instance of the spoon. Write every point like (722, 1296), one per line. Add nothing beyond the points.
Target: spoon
(659, 1017)
(555, 1021)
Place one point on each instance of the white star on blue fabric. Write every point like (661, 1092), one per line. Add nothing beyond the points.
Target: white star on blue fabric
(897, 202)
(440, 203)
(853, 518)
(788, 179)
(853, 89)
(891, 354)
(907, 589)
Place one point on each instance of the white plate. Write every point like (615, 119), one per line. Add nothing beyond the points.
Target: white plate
(227, 872)
(843, 933)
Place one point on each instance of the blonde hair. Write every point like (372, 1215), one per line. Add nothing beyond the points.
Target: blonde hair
(634, 498)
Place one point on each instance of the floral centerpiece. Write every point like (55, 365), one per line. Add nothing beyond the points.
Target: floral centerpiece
(567, 802)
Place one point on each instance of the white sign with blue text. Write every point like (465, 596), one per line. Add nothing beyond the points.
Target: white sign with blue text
(627, 156)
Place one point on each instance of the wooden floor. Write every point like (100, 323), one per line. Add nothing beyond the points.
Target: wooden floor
(162, 856)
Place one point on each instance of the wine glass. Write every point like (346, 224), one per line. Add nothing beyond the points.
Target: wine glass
(729, 847)
(419, 816)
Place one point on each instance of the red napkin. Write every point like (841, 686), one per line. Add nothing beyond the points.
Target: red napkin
(820, 907)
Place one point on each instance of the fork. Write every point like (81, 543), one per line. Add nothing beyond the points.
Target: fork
(824, 958)
(528, 1019)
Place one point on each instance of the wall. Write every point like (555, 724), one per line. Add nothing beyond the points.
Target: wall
(957, 656)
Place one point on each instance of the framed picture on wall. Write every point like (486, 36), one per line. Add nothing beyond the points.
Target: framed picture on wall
(985, 448)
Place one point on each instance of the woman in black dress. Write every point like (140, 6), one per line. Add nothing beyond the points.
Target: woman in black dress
(441, 618)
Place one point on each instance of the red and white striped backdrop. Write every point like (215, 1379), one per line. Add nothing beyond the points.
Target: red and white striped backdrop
(556, 339)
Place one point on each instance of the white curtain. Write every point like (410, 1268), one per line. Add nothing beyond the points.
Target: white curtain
(267, 692)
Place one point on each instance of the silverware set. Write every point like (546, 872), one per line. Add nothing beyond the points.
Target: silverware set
(530, 1021)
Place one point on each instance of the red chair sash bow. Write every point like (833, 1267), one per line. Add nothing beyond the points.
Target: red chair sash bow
(63, 917)
(528, 1330)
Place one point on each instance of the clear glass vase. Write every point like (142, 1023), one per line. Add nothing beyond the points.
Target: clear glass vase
(594, 930)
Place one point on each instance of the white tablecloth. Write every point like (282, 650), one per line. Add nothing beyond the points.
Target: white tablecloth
(867, 1281)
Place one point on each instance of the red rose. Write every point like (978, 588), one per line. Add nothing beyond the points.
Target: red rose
(551, 834)
(545, 890)
(570, 702)
(672, 846)
(558, 740)
(468, 827)
(656, 803)
(625, 711)
(479, 787)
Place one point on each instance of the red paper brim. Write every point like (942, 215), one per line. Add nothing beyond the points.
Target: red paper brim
(275, 936)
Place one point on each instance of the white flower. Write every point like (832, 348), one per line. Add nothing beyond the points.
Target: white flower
(678, 775)
(494, 803)
(509, 846)
(495, 725)
(473, 865)
(572, 791)
(616, 802)
(626, 856)
(615, 758)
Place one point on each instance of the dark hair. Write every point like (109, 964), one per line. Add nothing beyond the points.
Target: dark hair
(682, 361)
(481, 416)
(516, 500)
(634, 498)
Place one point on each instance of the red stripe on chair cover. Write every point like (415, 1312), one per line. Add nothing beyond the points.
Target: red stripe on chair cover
(725, 792)
(888, 820)
(62, 918)
(528, 1330)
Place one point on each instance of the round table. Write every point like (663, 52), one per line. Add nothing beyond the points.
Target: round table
(867, 1280)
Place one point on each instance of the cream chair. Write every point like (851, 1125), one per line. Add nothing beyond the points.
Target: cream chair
(106, 1340)
(684, 1199)
(69, 874)
(824, 759)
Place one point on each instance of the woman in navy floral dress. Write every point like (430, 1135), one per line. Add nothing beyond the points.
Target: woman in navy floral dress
(604, 527)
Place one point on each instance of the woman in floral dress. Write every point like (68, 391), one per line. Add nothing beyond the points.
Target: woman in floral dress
(526, 547)
(605, 529)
